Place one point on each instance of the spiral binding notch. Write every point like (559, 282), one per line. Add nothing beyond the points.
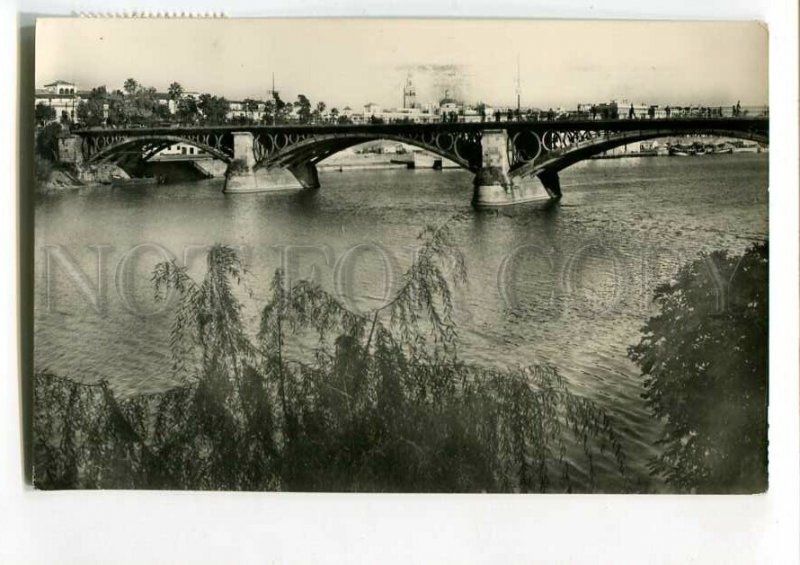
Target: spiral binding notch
(143, 14)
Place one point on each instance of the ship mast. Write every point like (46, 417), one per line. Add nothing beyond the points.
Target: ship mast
(518, 86)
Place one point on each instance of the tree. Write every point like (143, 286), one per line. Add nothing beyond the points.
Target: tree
(140, 105)
(91, 112)
(116, 109)
(130, 86)
(175, 91)
(319, 111)
(280, 108)
(47, 141)
(334, 115)
(214, 109)
(187, 112)
(303, 106)
(704, 362)
(161, 113)
(250, 107)
(44, 113)
(269, 112)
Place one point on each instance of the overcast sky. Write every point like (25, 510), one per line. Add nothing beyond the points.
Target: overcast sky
(352, 62)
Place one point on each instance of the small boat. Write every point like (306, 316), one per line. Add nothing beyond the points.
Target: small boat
(745, 147)
(117, 180)
(680, 151)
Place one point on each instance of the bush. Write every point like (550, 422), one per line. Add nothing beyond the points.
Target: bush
(47, 142)
(704, 362)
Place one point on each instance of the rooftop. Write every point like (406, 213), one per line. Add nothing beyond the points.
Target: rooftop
(59, 81)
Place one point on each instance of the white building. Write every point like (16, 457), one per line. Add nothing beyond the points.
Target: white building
(60, 95)
(181, 149)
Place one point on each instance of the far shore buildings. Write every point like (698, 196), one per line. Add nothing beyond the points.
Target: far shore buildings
(64, 97)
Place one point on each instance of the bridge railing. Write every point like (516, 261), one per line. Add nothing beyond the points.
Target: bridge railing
(622, 114)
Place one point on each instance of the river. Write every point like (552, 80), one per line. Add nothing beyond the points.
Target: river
(570, 286)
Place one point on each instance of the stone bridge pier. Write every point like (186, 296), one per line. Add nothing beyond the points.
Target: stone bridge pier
(245, 175)
(496, 185)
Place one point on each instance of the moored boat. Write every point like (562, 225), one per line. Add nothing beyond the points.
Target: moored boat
(744, 147)
(680, 151)
(136, 181)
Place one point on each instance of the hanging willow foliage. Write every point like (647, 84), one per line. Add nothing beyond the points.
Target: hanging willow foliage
(380, 402)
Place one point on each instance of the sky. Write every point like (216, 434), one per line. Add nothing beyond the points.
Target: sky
(352, 62)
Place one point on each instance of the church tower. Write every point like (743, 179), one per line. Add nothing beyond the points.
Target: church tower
(409, 94)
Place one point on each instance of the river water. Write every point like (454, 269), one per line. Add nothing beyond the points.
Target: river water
(570, 286)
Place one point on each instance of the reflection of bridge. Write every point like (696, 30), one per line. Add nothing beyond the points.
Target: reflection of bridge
(506, 157)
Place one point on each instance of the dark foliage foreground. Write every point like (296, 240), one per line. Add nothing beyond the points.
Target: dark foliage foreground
(377, 403)
(704, 359)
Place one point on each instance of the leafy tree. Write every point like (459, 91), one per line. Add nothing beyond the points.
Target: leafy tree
(334, 114)
(268, 114)
(250, 107)
(280, 108)
(130, 86)
(188, 112)
(303, 107)
(318, 112)
(47, 141)
(161, 113)
(175, 91)
(44, 113)
(704, 362)
(116, 109)
(214, 109)
(91, 112)
(137, 105)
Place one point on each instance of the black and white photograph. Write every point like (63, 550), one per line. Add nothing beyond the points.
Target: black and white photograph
(412, 256)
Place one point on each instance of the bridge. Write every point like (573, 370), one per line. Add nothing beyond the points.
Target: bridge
(513, 161)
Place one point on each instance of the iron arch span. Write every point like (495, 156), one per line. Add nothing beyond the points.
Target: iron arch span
(106, 149)
(563, 153)
(271, 150)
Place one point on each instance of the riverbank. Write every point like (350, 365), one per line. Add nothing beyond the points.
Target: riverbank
(52, 177)
(349, 160)
(713, 145)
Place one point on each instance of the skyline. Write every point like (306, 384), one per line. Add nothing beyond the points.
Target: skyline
(667, 63)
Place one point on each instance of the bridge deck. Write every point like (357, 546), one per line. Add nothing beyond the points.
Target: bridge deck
(669, 125)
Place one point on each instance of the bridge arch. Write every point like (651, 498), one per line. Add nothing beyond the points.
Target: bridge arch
(272, 150)
(111, 147)
(553, 159)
